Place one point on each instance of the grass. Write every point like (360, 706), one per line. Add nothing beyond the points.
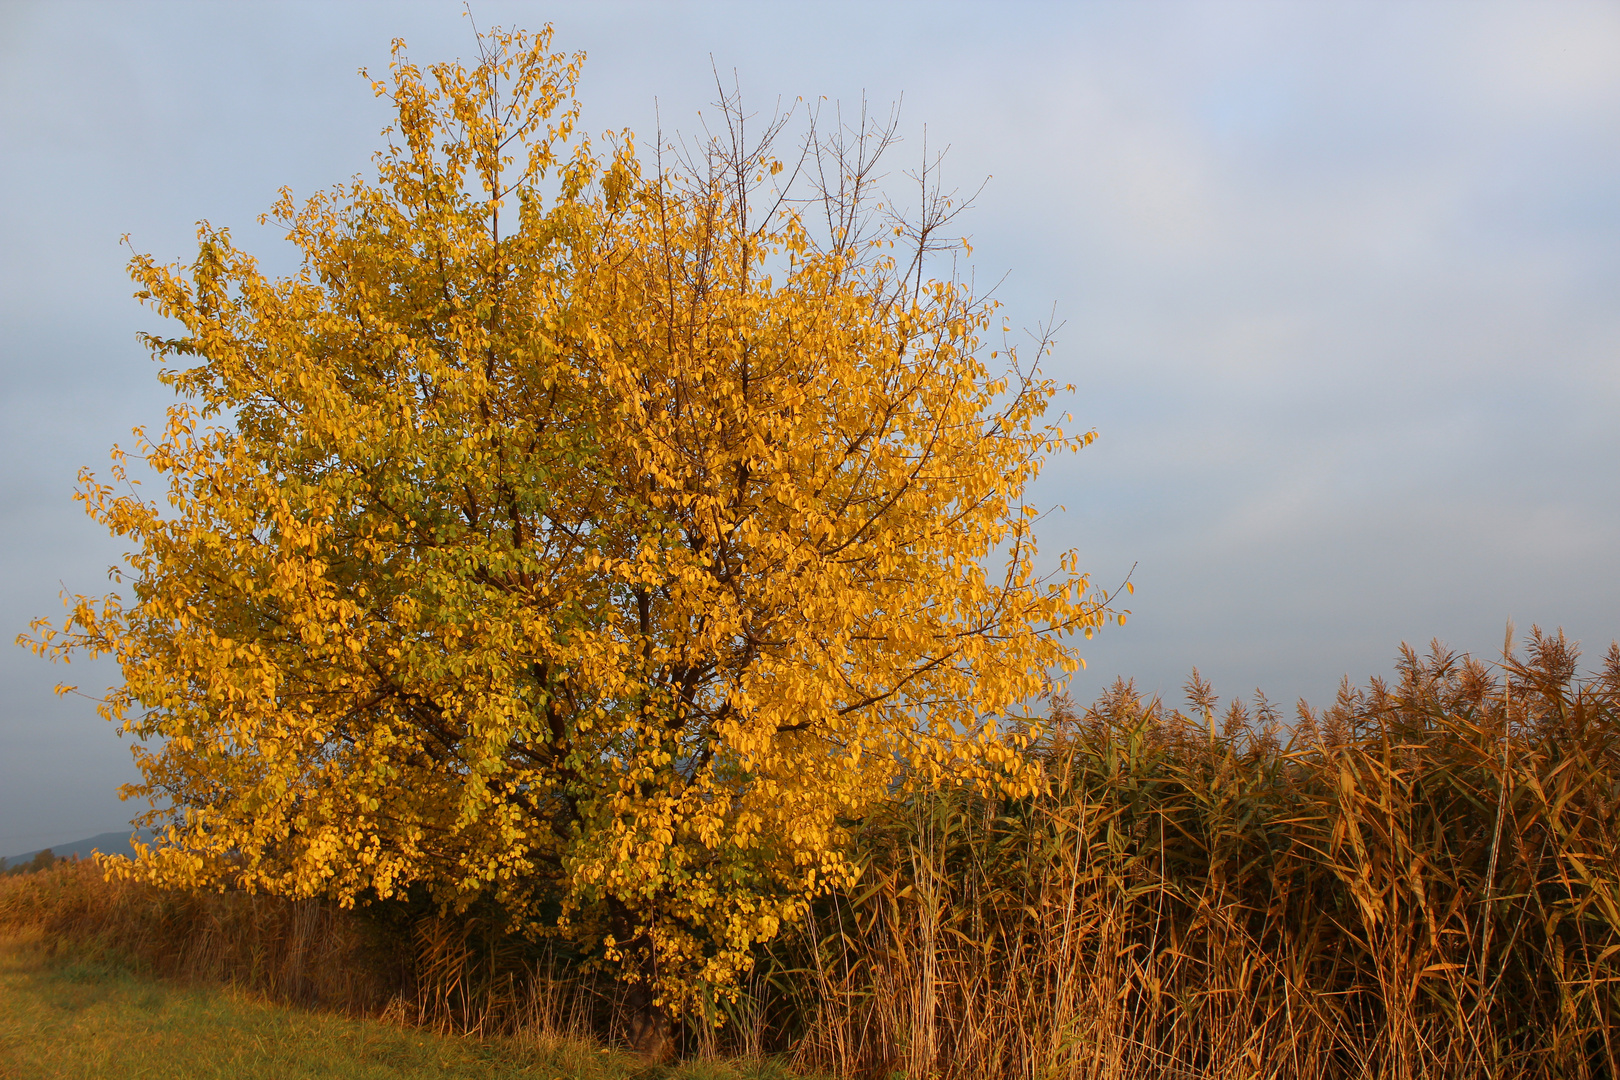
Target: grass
(66, 1015)
(71, 1018)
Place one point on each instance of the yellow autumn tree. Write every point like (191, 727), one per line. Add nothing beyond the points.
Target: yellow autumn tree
(579, 536)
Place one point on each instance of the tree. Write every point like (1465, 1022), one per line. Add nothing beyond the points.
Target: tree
(588, 540)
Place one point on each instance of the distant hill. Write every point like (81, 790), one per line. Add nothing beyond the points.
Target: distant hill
(108, 843)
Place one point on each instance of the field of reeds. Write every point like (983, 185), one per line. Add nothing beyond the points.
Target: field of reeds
(1422, 880)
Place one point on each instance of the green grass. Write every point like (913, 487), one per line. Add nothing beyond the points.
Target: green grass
(65, 1017)
(86, 1018)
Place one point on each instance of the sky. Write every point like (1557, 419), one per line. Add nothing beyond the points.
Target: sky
(1339, 286)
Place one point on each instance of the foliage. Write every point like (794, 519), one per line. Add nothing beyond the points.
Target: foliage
(42, 860)
(588, 539)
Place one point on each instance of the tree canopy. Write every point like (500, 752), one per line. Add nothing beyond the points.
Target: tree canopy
(582, 534)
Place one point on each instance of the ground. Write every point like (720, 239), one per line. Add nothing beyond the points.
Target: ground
(63, 1018)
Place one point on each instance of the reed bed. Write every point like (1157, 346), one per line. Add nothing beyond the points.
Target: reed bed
(1420, 881)
(1423, 881)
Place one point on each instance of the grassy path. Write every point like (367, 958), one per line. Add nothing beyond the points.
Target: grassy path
(77, 1019)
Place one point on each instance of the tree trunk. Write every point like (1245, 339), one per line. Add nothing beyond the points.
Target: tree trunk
(647, 1025)
(651, 1033)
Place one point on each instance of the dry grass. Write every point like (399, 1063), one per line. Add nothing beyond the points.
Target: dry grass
(65, 1019)
(302, 952)
(1423, 882)
(399, 962)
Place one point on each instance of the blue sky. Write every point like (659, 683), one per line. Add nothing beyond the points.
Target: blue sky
(1340, 285)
